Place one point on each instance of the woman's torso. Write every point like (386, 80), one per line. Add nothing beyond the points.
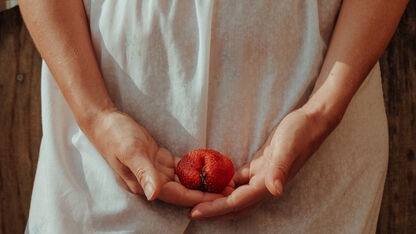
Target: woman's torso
(211, 74)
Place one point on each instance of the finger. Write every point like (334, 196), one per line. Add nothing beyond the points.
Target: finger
(242, 213)
(277, 172)
(133, 185)
(234, 215)
(231, 184)
(227, 191)
(242, 176)
(242, 197)
(177, 179)
(126, 175)
(239, 199)
(176, 193)
(177, 159)
(146, 174)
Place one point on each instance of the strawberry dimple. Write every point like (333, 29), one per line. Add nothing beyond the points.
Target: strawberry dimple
(205, 169)
(189, 169)
(219, 171)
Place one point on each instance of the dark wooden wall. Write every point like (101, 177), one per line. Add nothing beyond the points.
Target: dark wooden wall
(20, 124)
(398, 68)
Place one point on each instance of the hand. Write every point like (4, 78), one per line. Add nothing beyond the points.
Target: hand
(134, 155)
(285, 151)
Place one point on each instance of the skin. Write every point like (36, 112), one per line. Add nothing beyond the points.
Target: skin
(60, 32)
(362, 32)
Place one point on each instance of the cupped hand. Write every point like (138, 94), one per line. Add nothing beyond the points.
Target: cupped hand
(285, 151)
(135, 156)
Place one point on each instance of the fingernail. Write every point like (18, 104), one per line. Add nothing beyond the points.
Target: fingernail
(149, 190)
(196, 214)
(278, 186)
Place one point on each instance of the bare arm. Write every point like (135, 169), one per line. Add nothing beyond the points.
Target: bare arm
(362, 32)
(61, 34)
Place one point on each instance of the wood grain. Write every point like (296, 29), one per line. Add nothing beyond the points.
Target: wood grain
(20, 128)
(398, 66)
(20, 124)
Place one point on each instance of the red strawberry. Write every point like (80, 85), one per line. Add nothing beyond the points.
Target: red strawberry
(206, 170)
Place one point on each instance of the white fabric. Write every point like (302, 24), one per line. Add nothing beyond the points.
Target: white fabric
(5, 5)
(220, 75)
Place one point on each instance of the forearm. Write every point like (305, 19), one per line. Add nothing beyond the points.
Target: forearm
(60, 32)
(361, 34)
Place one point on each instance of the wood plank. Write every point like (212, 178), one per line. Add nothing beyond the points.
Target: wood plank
(398, 66)
(20, 131)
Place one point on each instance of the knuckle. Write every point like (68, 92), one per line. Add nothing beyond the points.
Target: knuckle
(258, 187)
(134, 147)
(282, 170)
(140, 174)
(127, 150)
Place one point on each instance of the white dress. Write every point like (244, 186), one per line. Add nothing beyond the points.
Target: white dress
(219, 75)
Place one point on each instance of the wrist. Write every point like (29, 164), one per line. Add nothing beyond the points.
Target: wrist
(323, 113)
(93, 119)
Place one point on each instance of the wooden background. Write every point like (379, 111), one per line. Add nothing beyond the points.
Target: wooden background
(20, 124)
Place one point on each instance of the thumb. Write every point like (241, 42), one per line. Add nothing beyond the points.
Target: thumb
(277, 173)
(146, 174)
